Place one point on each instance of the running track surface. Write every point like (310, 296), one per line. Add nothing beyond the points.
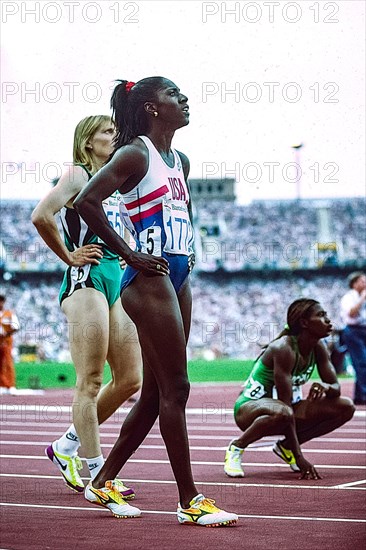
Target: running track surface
(276, 509)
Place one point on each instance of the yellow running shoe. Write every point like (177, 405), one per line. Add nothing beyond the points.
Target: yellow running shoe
(68, 466)
(232, 467)
(202, 511)
(286, 455)
(110, 497)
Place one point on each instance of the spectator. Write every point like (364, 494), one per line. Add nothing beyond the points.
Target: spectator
(353, 312)
(8, 325)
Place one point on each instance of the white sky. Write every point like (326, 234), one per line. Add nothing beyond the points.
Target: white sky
(205, 51)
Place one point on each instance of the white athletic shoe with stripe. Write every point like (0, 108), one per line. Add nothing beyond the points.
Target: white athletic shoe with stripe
(69, 467)
(202, 511)
(110, 497)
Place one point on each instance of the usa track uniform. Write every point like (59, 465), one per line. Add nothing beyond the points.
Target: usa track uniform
(105, 277)
(261, 379)
(156, 214)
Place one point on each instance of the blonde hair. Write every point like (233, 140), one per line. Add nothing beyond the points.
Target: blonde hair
(84, 131)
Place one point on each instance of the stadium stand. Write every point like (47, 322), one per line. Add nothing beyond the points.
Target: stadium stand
(249, 259)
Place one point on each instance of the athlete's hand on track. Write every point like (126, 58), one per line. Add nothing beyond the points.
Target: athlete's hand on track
(87, 254)
(307, 470)
(149, 265)
(317, 390)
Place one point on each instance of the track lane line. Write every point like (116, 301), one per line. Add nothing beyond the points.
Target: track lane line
(210, 410)
(110, 425)
(192, 437)
(237, 485)
(198, 463)
(259, 449)
(162, 512)
(351, 485)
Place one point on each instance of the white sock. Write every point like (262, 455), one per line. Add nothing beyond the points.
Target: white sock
(95, 465)
(68, 443)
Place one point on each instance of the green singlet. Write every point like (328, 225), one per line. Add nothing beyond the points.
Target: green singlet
(261, 379)
(105, 277)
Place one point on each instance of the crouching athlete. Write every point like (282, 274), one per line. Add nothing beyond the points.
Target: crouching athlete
(271, 402)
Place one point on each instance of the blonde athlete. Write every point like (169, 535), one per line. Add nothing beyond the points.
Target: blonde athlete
(100, 329)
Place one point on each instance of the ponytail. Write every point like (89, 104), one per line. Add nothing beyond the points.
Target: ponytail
(128, 107)
(120, 108)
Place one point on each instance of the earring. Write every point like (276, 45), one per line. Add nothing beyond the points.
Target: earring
(156, 113)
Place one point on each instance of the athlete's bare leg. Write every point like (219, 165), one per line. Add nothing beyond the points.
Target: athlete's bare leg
(321, 416)
(124, 358)
(87, 313)
(163, 324)
(262, 417)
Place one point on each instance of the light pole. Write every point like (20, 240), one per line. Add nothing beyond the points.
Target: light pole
(298, 168)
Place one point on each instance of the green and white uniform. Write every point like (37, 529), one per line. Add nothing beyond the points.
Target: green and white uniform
(261, 379)
(105, 277)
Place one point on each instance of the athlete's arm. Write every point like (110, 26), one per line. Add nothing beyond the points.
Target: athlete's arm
(329, 385)
(43, 217)
(283, 363)
(124, 171)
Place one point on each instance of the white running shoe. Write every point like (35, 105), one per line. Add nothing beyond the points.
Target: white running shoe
(68, 466)
(110, 497)
(232, 467)
(202, 511)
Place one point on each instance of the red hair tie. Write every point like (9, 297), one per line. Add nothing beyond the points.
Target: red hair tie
(129, 85)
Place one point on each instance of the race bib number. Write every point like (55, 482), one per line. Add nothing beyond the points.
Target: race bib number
(80, 274)
(112, 211)
(178, 228)
(254, 389)
(296, 393)
(125, 218)
(150, 240)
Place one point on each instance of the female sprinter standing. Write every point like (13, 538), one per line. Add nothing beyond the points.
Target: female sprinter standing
(155, 286)
(89, 297)
(285, 364)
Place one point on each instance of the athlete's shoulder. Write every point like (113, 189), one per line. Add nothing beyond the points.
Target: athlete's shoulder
(281, 349)
(185, 163)
(133, 153)
(75, 177)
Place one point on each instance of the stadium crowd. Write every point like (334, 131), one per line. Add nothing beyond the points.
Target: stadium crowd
(272, 234)
(230, 317)
(282, 234)
(22, 246)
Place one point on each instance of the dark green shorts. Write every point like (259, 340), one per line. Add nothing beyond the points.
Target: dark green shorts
(105, 277)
